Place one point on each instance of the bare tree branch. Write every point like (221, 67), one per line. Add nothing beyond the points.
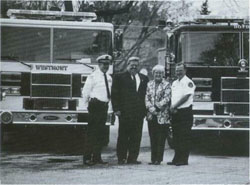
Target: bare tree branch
(112, 12)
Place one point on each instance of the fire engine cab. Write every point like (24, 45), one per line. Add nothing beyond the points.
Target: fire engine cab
(45, 60)
(215, 51)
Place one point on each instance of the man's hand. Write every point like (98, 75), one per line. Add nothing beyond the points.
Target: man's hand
(173, 109)
(153, 111)
(117, 113)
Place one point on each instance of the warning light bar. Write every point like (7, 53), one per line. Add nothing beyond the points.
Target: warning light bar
(222, 19)
(51, 15)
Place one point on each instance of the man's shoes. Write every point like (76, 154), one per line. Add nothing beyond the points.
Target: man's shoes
(89, 163)
(171, 163)
(134, 162)
(100, 161)
(122, 161)
(157, 163)
(152, 163)
(181, 164)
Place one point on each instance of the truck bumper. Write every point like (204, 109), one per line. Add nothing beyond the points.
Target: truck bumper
(47, 117)
(221, 122)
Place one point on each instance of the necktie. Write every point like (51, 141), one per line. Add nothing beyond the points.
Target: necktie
(107, 86)
(134, 81)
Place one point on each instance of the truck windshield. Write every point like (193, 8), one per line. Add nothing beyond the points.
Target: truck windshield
(72, 44)
(246, 46)
(57, 46)
(213, 49)
(26, 44)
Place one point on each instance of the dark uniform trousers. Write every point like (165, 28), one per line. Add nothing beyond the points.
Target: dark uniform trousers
(182, 122)
(129, 138)
(158, 135)
(95, 130)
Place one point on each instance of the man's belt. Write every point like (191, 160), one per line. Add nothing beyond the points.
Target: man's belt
(95, 100)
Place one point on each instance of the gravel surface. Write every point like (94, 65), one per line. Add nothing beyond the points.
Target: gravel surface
(50, 168)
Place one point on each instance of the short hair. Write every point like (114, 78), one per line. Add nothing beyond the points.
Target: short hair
(181, 64)
(158, 67)
(137, 59)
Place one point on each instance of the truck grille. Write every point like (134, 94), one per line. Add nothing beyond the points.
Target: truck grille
(51, 79)
(51, 85)
(235, 96)
(51, 91)
(235, 83)
(234, 90)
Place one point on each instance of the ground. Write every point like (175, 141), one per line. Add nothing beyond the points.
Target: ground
(206, 166)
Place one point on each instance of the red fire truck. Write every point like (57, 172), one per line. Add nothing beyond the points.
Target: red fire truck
(216, 53)
(45, 60)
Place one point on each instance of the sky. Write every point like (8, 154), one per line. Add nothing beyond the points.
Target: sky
(225, 7)
(217, 7)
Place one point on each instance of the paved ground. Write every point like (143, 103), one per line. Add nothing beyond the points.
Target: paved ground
(207, 166)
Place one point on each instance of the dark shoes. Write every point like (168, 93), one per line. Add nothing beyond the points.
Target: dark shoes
(181, 164)
(100, 162)
(133, 162)
(122, 161)
(89, 163)
(155, 163)
(177, 163)
(151, 163)
(171, 163)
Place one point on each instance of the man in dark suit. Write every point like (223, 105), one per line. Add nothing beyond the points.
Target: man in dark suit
(128, 101)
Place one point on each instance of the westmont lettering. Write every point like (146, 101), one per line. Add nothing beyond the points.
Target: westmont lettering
(51, 68)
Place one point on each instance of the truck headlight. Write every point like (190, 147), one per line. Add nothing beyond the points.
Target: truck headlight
(11, 90)
(6, 117)
(242, 64)
(3, 95)
(202, 96)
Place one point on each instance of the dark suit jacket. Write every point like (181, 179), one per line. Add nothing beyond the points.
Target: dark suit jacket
(125, 98)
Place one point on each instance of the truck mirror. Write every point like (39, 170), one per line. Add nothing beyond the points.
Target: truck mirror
(119, 39)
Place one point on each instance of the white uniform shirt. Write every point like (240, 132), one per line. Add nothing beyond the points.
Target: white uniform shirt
(95, 87)
(138, 80)
(180, 88)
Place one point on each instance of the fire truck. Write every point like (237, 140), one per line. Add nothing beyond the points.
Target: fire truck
(45, 60)
(215, 51)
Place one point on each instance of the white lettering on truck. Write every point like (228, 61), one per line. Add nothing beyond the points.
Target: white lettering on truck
(51, 68)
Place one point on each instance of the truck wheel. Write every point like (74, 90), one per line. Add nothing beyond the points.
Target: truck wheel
(170, 137)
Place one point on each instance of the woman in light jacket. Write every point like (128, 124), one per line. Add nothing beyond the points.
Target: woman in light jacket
(157, 99)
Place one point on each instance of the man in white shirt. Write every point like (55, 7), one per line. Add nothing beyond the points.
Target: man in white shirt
(182, 116)
(96, 96)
